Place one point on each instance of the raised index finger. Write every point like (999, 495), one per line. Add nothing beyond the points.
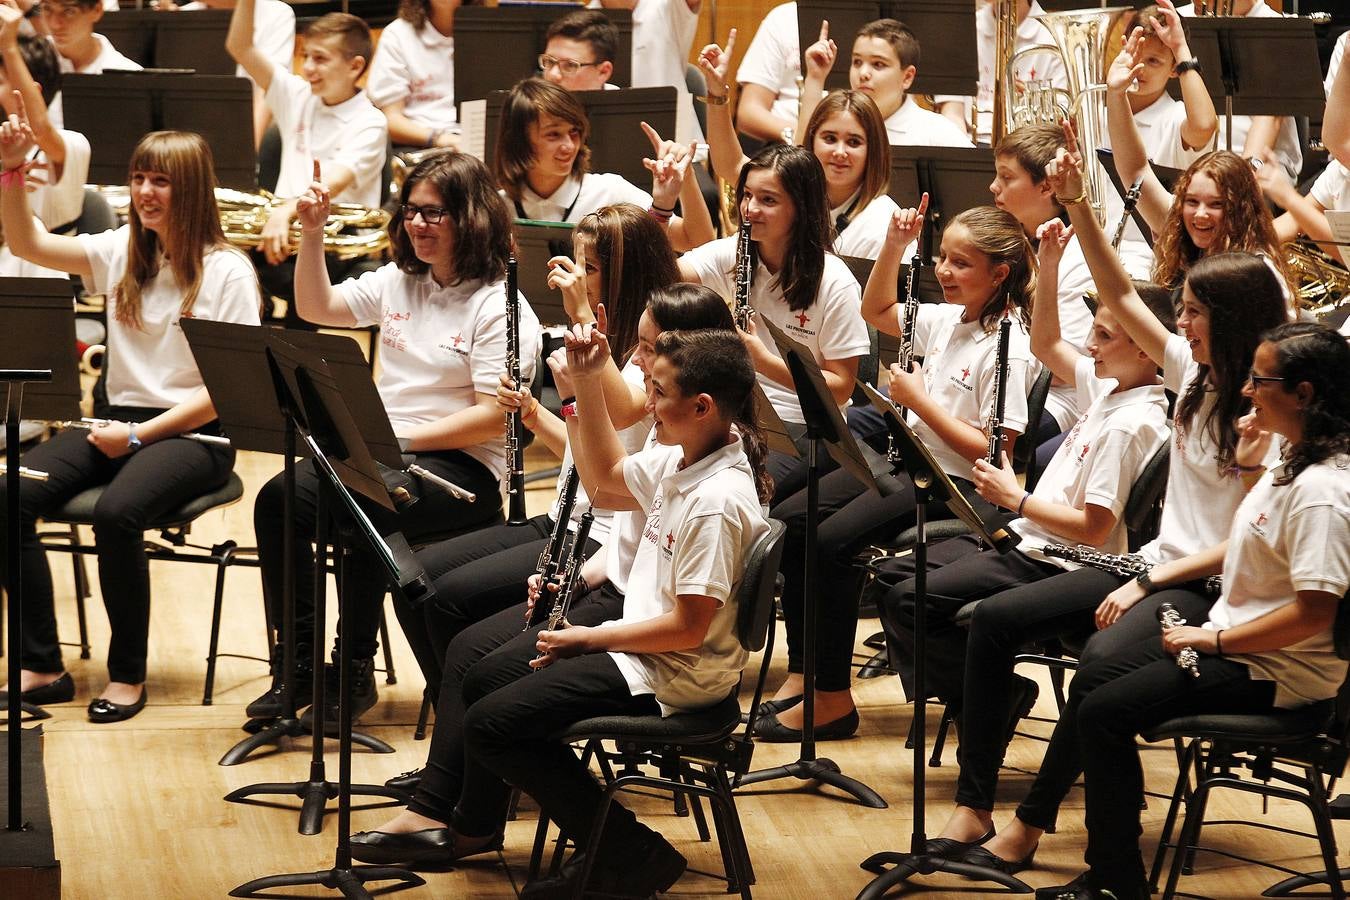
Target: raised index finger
(1070, 136)
(731, 43)
(824, 30)
(23, 110)
(923, 206)
(652, 136)
(318, 175)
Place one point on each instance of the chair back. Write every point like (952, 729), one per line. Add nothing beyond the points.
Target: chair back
(755, 599)
(1024, 453)
(1145, 500)
(697, 86)
(96, 215)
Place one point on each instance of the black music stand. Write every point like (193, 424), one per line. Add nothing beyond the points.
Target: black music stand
(537, 243)
(497, 47)
(193, 40)
(824, 425)
(948, 24)
(218, 107)
(310, 392)
(45, 370)
(930, 483)
(1257, 67)
(1166, 175)
(616, 119)
(955, 179)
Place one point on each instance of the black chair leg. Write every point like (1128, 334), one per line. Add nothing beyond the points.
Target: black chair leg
(389, 676)
(208, 690)
(420, 732)
(940, 741)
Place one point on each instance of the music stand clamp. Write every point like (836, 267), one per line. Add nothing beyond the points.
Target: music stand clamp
(307, 388)
(824, 425)
(930, 484)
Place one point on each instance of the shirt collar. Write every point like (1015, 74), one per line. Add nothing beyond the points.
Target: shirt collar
(432, 38)
(729, 456)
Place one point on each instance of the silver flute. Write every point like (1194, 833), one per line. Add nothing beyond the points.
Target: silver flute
(25, 472)
(444, 484)
(213, 439)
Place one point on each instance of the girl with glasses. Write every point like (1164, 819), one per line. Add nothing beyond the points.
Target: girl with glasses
(441, 308)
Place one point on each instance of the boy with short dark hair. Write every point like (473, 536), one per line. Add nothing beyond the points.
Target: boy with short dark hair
(579, 51)
(70, 25)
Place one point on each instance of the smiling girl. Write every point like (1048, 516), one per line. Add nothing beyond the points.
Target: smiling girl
(170, 261)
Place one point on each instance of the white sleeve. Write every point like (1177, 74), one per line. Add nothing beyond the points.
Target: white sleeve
(364, 296)
(1177, 363)
(285, 97)
(1337, 55)
(1117, 457)
(1075, 279)
(621, 190)
(712, 269)
(708, 555)
(1022, 372)
(274, 32)
(239, 298)
(1330, 185)
(930, 319)
(390, 79)
(765, 61)
(101, 251)
(843, 333)
(1318, 534)
(363, 148)
(642, 473)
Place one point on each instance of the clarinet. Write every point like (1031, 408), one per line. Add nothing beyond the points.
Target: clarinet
(994, 423)
(905, 358)
(515, 428)
(745, 273)
(1127, 565)
(1187, 658)
(1131, 201)
(571, 574)
(551, 557)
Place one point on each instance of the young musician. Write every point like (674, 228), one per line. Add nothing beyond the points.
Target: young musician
(441, 305)
(1267, 643)
(541, 162)
(797, 284)
(624, 261)
(413, 836)
(579, 51)
(1229, 299)
(845, 132)
(985, 268)
(170, 261)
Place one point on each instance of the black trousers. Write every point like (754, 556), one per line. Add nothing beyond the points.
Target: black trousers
(850, 518)
(434, 511)
(1114, 698)
(486, 657)
(141, 487)
(475, 575)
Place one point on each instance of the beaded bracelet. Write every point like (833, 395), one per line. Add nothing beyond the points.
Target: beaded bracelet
(1081, 198)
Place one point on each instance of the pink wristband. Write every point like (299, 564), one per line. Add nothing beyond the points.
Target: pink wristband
(12, 178)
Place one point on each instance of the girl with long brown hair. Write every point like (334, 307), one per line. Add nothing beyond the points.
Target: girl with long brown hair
(169, 262)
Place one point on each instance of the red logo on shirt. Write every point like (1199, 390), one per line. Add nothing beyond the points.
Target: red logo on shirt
(670, 540)
(965, 373)
(1083, 454)
(457, 340)
(802, 318)
(1261, 519)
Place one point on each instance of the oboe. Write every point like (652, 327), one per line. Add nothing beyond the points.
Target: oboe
(1127, 565)
(994, 422)
(1131, 201)
(571, 574)
(551, 557)
(515, 428)
(745, 274)
(214, 439)
(910, 310)
(1187, 658)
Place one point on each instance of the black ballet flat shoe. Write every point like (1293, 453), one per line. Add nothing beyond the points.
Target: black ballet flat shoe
(979, 856)
(1081, 889)
(652, 867)
(407, 782)
(951, 848)
(772, 731)
(772, 707)
(102, 710)
(428, 847)
(62, 690)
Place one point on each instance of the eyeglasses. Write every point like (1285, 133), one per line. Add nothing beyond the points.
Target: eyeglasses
(432, 215)
(1258, 379)
(565, 66)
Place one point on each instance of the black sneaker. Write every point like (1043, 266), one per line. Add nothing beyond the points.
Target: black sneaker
(269, 705)
(364, 695)
(651, 866)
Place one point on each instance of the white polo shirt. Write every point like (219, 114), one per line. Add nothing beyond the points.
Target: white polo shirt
(352, 134)
(701, 523)
(578, 197)
(865, 233)
(958, 374)
(774, 60)
(913, 126)
(109, 58)
(1200, 500)
(1029, 68)
(440, 346)
(152, 366)
(831, 327)
(415, 66)
(1100, 458)
(1331, 190)
(663, 36)
(1285, 539)
(60, 201)
(1337, 55)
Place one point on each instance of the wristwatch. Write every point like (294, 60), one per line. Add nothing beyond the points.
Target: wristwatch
(1189, 65)
(133, 442)
(1145, 582)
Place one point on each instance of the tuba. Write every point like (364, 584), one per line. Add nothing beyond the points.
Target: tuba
(1323, 283)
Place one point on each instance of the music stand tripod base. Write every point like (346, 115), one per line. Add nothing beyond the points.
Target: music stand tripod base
(350, 882)
(314, 797)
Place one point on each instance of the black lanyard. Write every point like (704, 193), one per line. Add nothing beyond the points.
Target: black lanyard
(520, 207)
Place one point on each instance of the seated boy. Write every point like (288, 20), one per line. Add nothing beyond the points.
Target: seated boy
(885, 61)
(768, 76)
(579, 51)
(322, 116)
(70, 24)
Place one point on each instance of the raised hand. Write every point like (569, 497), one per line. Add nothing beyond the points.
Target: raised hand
(1052, 237)
(1167, 26)
(1125, 68)
(1065, 171)
(313, 206)
(1273, 179)
(11, 17)
(668, 168)
(16, 136)
(587, 347)
(562, 374)
(714, 62)
(1253, 444)
(821, 55)
(570, 278)
(907, 224)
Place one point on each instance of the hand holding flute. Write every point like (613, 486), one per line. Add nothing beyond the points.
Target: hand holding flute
(115, 439)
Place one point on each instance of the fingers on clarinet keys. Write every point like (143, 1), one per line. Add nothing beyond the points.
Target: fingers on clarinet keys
(428, 847)
(62, 690)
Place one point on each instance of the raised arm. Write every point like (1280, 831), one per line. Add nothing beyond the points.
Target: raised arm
(1336, 122)
(1127, 147)
(670, 166)
(1202, 122)
(239, 43)
(1114, 287)
(1302, 214)
(1047, 341)
(315, 299)
(23, 237)
(820, 58)
(879, 300)
(597, 451)
(724, 145)
(48, 136)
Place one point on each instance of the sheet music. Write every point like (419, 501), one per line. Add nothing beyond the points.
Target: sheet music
(473, 121)
(1339, 220)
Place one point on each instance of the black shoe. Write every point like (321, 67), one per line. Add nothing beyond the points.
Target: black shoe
(951, 848)
(772, 707)
(364, 695)
(102, 710)
(407, 782)
(1024, 695)
(62, 690)
(979, 856)
(654, 865)
(429, 847)
(772, 731)
(1081, 889)
(269, 705)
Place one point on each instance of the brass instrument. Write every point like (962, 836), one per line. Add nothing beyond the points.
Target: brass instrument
(515, 427)
(1187, 659)
(352, 231)
(552, 556)
(1323, 283)
(994, 422)
(745, 274)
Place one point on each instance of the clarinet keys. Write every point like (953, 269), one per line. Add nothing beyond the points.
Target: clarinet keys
(1187, 658)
